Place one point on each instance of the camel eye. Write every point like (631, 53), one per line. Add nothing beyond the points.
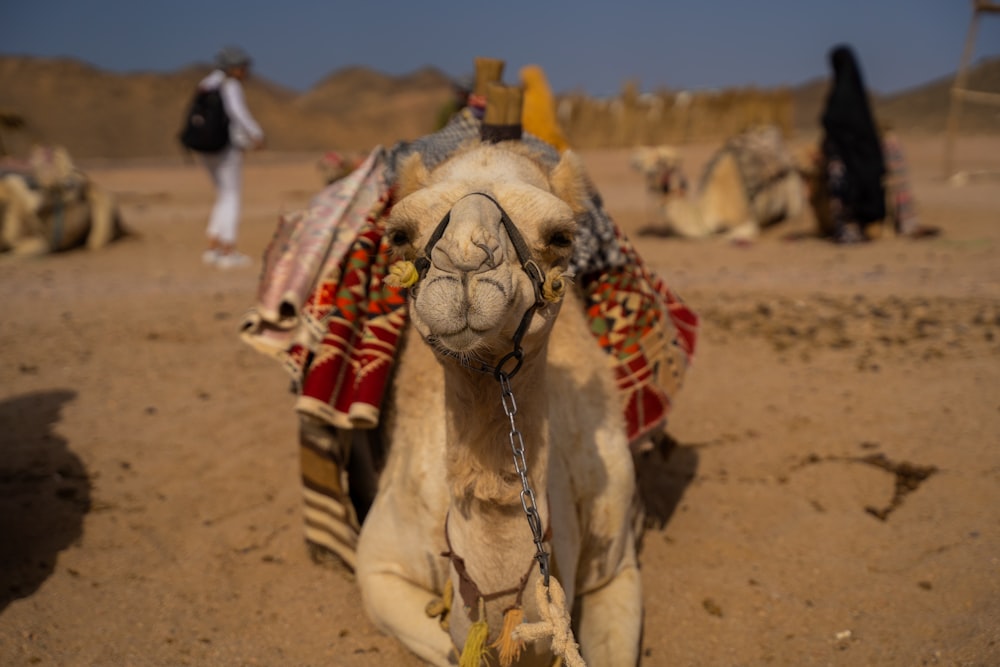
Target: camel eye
(560, 239)
(399, 237)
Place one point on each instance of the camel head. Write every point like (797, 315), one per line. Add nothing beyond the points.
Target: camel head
(490, 235)
(662, 169)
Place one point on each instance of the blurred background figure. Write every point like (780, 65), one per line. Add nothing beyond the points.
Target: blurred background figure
(226, 165)
(538, 116)
(900, 204)
(852, 164)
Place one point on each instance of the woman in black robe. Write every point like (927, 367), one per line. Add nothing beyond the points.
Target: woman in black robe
(852, 152)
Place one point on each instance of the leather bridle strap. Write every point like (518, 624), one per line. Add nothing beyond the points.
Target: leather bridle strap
(535, 275)
(423, 263)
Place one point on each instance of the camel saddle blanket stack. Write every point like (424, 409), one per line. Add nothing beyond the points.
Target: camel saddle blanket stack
(761, 155)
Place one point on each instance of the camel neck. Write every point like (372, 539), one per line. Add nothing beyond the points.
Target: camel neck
(480, 461)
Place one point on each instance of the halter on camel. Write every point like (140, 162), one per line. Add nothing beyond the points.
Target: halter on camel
(549, 288)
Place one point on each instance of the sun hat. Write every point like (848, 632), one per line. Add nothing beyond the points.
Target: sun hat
(232, 56)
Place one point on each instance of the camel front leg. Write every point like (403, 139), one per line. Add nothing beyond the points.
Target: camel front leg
(610, 621)
(398, 607)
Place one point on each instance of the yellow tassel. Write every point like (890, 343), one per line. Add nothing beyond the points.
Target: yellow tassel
(402, 274)
(507, 647)
(554, 287)
(475, 642)
(441, 607)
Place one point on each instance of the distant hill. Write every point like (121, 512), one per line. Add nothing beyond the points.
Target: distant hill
(379, 108)
(101, 114)
(95, 113)
(808, 99)
(925, 108)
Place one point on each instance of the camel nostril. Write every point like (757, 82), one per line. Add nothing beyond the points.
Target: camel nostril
(469, 260)
(490, 261)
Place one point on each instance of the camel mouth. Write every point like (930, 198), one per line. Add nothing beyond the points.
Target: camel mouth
(462, 335)
(464, 312)
(459, 342)
(464, 345)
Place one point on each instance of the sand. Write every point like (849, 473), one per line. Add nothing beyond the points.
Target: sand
(833, 496)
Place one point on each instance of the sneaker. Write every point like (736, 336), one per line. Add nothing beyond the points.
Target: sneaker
(233, 260)
(210, 257)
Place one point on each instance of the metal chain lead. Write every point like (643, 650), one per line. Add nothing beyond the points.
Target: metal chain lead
(521, 466)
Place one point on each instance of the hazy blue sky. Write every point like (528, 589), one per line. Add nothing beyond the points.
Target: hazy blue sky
(583, 44)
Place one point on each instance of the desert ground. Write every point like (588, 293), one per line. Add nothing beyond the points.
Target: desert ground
(832, 496)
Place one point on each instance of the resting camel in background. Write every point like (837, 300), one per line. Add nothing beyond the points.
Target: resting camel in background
(48, 205)
(506, 430)
(660, 167)
(752, 182)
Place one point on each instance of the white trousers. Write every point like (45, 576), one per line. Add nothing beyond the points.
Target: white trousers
(226, 168)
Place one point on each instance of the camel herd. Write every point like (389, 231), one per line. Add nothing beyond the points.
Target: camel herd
(505, 525)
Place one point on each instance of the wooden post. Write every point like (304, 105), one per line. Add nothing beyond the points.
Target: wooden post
(959, 91)
(488, 70)
(502, 121)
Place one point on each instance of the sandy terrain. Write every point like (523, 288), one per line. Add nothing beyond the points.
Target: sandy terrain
(833, 497)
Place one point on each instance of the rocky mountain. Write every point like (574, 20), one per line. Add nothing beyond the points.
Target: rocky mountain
(95, 113)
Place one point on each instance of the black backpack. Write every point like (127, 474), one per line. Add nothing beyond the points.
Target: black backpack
(206, 126)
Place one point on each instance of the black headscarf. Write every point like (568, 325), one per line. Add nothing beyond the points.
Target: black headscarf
(850, 131)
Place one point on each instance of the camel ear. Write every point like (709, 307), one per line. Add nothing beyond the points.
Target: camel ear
(412, 175)
(569, 181)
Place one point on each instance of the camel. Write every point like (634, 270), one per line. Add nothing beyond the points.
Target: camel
(48, 205)
(752, 182)
(509, 497)
(539, 112)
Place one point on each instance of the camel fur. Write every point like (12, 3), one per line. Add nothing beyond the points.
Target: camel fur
(450, 483)
(730, 201)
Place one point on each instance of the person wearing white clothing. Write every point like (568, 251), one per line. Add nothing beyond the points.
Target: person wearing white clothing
(226, 166)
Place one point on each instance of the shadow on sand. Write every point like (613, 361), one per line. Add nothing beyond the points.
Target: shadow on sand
(44, 492)
(663, 473)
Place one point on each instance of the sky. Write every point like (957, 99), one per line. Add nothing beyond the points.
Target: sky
(583, 45)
